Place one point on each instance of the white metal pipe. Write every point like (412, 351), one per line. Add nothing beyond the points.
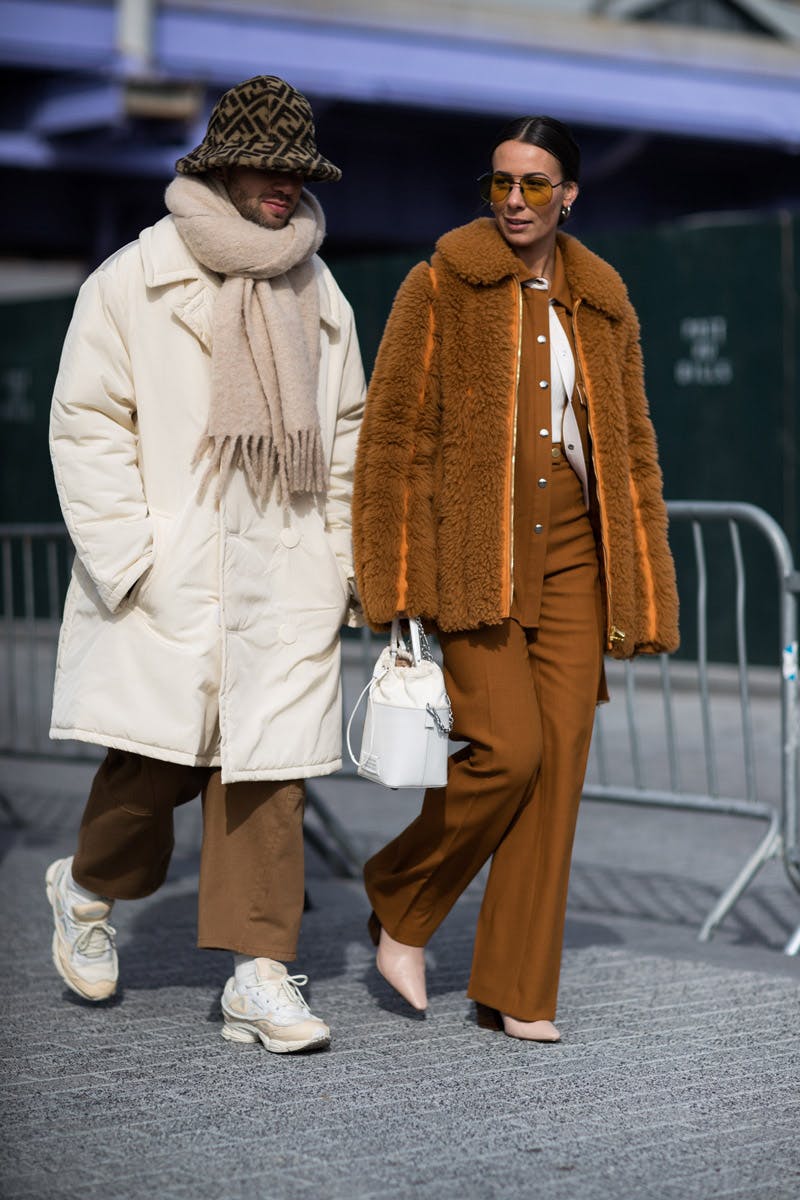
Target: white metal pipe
(135, 20)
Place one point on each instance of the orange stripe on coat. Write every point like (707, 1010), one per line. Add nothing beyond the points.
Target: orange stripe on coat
(402, 579)
(644, 555)
(506, 596)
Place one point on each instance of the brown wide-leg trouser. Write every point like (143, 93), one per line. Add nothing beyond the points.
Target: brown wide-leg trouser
(524, 700)
(251, 866)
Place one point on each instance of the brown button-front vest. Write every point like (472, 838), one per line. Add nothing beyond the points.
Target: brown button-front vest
(534, 444)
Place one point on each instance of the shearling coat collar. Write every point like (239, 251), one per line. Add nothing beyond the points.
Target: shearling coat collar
(480, 255)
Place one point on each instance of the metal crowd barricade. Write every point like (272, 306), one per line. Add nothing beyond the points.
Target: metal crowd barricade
(35, 565)
(35, 562)
(781, 837)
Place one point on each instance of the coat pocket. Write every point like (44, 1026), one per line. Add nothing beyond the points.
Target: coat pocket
(137, 596)
(178, 593)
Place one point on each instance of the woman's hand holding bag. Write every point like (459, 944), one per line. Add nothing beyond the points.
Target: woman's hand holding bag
(405, 738)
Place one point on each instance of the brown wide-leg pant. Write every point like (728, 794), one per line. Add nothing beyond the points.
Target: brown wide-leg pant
(524, 699)
(251, 865)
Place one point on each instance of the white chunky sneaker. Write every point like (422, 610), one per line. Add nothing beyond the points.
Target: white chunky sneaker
(84, 952)
(270, 1009)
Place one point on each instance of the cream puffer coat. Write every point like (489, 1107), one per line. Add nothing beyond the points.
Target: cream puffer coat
(194, 633)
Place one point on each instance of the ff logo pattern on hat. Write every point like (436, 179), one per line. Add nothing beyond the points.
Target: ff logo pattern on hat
(264, 123)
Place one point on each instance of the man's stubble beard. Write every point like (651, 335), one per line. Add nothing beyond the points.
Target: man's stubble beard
(251, 211)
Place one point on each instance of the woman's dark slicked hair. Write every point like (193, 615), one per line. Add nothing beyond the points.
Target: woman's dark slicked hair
(548, 134)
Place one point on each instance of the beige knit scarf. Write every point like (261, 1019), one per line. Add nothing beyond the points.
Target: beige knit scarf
(265, 355)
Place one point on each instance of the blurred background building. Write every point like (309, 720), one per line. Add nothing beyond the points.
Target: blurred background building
(687, 112)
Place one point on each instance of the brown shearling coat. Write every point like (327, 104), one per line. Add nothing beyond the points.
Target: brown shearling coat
(432, 504)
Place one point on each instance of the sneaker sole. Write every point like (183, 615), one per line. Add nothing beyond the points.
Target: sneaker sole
(249, 1034)
(87, 991)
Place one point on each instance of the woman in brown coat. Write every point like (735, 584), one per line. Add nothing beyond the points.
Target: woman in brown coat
(508, 491)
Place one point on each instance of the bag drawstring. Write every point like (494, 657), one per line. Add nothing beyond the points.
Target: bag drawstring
(356, 707)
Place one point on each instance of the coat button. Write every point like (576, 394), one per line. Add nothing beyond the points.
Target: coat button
(287, 633)
(544, 433)
(541, 339)
(542, 482)
(290, 537)
(538, 529)
(543, 383)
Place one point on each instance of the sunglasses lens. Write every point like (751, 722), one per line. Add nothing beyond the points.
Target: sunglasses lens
(494, 188)
(499, 187)
(537, 191)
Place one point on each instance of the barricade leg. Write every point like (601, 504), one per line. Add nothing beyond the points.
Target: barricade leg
(769, 847)
(331, 843)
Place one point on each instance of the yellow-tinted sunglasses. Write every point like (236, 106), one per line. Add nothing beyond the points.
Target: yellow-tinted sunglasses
(537, 190)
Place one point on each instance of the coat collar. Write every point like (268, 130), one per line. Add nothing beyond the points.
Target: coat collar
(167, 259)
(191, 288)
(478, 253)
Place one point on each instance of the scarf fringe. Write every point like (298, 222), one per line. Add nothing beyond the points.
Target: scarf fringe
(306, 462)
(294, 469)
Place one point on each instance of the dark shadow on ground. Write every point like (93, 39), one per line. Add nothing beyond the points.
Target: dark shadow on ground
(764, 917)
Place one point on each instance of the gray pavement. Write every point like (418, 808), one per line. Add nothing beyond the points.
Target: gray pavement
(677, 1078)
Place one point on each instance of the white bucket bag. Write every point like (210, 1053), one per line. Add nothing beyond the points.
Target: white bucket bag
(405, 738)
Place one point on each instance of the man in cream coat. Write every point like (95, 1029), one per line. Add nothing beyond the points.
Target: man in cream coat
(203, 432)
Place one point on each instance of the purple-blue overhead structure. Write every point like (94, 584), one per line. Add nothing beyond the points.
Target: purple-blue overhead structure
(72, 104)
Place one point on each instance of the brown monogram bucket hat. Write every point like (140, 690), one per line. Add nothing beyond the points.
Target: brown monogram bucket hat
(262, 123)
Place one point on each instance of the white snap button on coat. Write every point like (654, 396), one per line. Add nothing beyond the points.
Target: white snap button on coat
(544, 433)
(288, 634)
(538, 528)
(290, 537)
(541, 339)
(542, 383)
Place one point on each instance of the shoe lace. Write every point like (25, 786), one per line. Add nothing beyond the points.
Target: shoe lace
(288, 991)
(95, 939)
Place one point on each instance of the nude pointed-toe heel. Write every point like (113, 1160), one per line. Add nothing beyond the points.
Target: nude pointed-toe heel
(526, 1031)
(531, 1031)
(403, 968)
